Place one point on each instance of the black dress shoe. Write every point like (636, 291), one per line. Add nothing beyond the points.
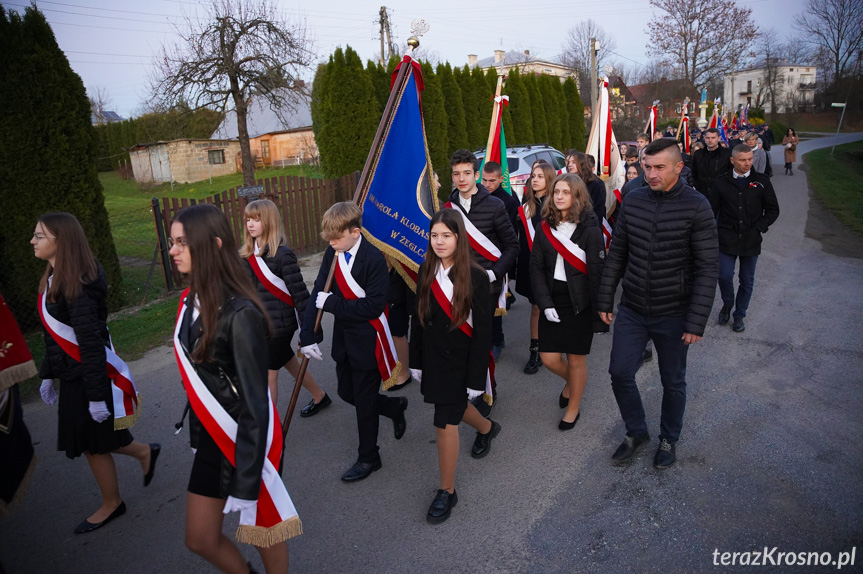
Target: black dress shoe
(533, 363)
(724, 314)
(399, 422)
(155, 449)
(361, 470)
(314, 408)
(563, 425)
(87, 526)
(665, 454)
(482, 443)
(401, 385)
(562, 401)
(738, 326)
(628, 447)
(441, 506)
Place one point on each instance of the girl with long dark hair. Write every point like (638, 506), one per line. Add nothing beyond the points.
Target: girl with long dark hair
(595, 186)
(450, 347)
(535, 192)
(221, 347)
(98, 400)
(274, 270)
(566, 267)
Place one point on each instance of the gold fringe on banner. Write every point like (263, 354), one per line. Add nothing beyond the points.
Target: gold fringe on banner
(389, 251)
(266, 537)
(500, 312)
(17, 373)
(488, 399)
(5, 509)
(393, 380)
(129, 421)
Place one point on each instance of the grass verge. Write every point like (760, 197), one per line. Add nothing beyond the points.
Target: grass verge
(837, 181)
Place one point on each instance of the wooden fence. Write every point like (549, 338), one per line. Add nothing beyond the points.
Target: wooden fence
(301, 200)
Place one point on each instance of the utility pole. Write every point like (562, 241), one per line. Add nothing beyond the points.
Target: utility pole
(383, 18)
(385, 25)
(594, 75)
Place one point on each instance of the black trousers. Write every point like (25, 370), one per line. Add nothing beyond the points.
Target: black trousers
(360, 388)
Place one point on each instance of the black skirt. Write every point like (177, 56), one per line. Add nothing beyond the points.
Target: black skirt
(279, 352)
(574, 334)
(206, 477)
(77, 432)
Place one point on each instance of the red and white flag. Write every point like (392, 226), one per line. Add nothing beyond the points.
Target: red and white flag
(686, 138)
(274, 518)
(385, 349)
(602, 145)
(124, 395)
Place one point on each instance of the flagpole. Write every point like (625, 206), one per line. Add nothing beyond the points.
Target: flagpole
(495, 114)
(362, 184)
(680, 125)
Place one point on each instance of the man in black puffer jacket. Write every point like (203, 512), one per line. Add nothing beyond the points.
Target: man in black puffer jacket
(710, 162)
(665, 248)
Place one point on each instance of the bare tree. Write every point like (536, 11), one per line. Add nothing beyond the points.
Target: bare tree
(693, 36)
(769, 56)
(99, 102)
(240, 50)
(575, 51)
(835, 29)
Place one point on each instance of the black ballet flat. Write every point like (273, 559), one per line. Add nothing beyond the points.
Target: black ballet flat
(155, 449)
(562, 401)
(563, 425)
(87, 526)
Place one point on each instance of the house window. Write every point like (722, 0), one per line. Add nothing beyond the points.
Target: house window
(807, 69)
(790, 69)
(215, 156)
(265, 148)
(749, 100)
(749, 86)
(678, 108)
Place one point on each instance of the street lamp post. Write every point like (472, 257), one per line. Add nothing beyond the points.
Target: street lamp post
(838, 105)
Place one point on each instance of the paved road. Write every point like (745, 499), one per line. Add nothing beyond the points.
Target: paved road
(768, 457)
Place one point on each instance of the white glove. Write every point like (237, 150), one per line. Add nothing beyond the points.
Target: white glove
(472, 394)
(47, 391)
(312, 351)
(491, 276)
(417, 374)
(237, 505)
(551, 315)
(319, 303)
(99, 411)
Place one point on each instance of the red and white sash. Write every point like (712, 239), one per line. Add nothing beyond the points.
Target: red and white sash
(527, 223)
(385, 349)
(571, 253)
(606, 231)
(124, 395)
(442, 289)
(272, 282)
(273, 519)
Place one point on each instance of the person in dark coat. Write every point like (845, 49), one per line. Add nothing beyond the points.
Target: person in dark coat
(75, 291)
(595, 186)
(450, 345)
(264, 236)
(745, 206)
(492, 179)
(665, 249)
(222, 334)
(356, 342)
(566, 293)
(710, 162)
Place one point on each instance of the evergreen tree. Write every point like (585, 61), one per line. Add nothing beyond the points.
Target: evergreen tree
(47, 158)
(563, 115)
(456, 124)
(552, 109)
(381, 81)
(474, 123)
(484, 95)
(321, 109)
(435, 118)
(575, 107)
(520, 109)
(538, 108)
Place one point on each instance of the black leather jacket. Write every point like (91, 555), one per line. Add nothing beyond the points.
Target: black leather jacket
(237, 376)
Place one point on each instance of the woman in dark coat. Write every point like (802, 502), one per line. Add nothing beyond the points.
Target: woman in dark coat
(565, 292)
(264, 236)
(75, 290)
(450, 347)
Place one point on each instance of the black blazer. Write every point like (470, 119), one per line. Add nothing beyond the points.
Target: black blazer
(354, 338)
(743, 213)
(237, 376)
(583, 289)
(451, 361)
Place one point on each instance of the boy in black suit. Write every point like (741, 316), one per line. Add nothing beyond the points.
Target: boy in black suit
(354, 334)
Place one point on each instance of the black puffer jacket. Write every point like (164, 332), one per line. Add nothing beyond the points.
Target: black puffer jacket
(88, 316)
(237, 378)
(282, 316)
(583, 289)
(708, 166)
(743, 212)
(489, 215)
(665, 249)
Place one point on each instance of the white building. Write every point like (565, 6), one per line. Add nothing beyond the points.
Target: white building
(505, 61)
(794, 87)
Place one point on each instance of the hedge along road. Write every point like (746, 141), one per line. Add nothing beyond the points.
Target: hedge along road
(766, 459)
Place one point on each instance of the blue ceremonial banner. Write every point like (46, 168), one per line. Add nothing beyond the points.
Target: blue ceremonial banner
(399, 201)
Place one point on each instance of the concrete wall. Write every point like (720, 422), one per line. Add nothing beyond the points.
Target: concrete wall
(190, 159)
(140, 160)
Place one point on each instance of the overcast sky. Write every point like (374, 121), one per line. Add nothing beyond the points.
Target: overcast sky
(110, 43)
